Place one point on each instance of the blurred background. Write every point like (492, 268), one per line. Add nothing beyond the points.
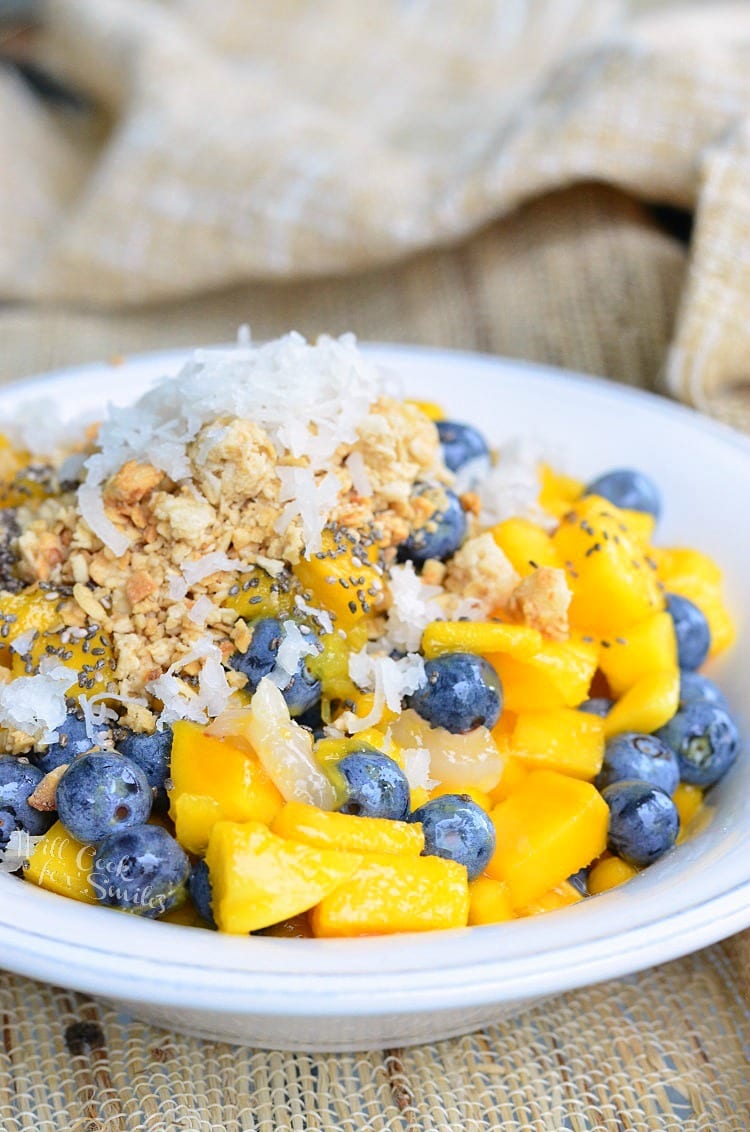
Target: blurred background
(562, 180)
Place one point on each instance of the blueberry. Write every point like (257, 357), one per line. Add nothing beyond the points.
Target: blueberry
(462, 691)
(464, 450)
(302, 691)
(151, 753)
(199, 887)
(72, 740)
(598, 705)
(102, 792)
(580, 881)
(141, 870)
(442, 534)
(631, 755)
(376, 787)
(627, 488)
(705, 739)
(643, 821)
(693, 686)
(19, 779)
(692, 632)
(459, 830)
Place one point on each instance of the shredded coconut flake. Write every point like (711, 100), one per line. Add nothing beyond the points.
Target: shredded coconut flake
(97, 713)
(417, 768)
(36, 704)
(414, 605)
(319, 615)
(266, 384)
(388, 679)
(201, 611)
(512, 486)
(180, 700)
(356, 468)
(293, 647)
(23, 642)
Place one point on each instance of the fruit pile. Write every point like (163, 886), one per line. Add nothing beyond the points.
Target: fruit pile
(541, 754)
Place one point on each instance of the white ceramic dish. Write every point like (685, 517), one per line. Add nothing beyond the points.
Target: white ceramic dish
(354, 994)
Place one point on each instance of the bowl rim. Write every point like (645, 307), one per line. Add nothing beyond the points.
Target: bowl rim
(114, 962)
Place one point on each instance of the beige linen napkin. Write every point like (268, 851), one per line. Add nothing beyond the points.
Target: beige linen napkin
(284, 139)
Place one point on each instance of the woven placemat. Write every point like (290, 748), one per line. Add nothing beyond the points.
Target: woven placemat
(585, 279)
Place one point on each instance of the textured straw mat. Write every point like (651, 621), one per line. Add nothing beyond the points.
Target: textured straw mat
(585, 278)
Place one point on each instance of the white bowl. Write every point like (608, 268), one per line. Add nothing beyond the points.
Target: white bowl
(351, 994)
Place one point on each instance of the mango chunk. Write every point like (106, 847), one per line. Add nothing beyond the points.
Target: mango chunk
(561, 896)
(647, 705)
(559, 675)
(609, 873)
(688, 800)
(525, 544)
(23, 612)
(481, 637)
(571, 742)
(390, 894)
(430, 409)
(61, 864)
(343, 579)
(221, 780)
(485, 801)
(695, 576)
(91, 660)
(550, 827)
(194, 816)
(489, 901)
(649, 646)
(259, 879)
(514, 772)
(558, 492)
(614, 584)
(259, 595)
(325, 829)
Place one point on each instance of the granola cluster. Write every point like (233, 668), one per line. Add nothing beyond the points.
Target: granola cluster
(231, 505)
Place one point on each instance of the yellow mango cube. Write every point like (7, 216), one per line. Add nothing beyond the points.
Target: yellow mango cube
(558, 492)
(390, 894)
(259, 879)
(256, 594)
(609, 873)
(647, 705)
(326, 829)
(481, 637)
(344, 580)
(694, 575)
(563, 895)
(614, 584)
(559, 675)
(551, 826)
(194, 816)
(24, 612)
(649, 646)
(688, 800)
(489, 902)
(485, 801)
(569, 741)
(640, 525)
(62, 864)
(431, 409)
(331, 667)
(206, 767)
(91, 660)
(525, 544)
(514, 772)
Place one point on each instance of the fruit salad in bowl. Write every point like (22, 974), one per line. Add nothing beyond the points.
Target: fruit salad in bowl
(287, 652)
